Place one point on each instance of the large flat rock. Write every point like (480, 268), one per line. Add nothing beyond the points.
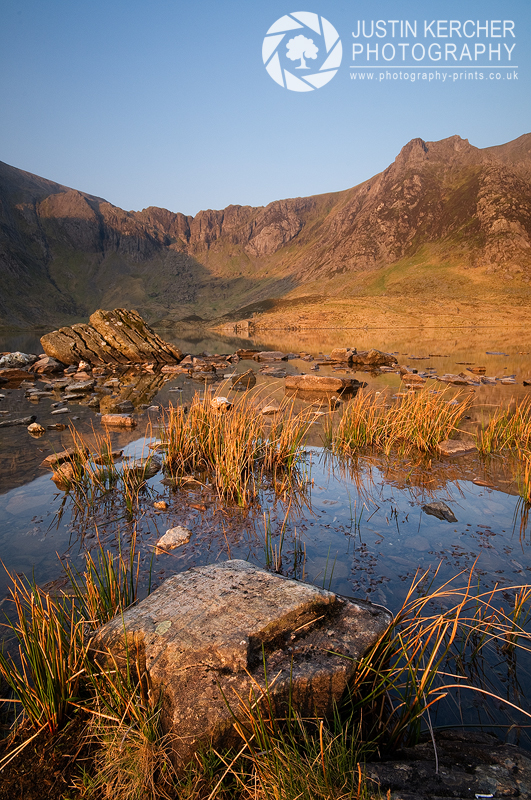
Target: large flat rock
(206, 633)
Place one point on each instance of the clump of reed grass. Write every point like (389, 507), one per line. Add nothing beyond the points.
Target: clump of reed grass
(50, 671)
(426, 653)
(524, 477)
(108, 585)
(418, 420)
(133, 756)
(95, 473)
(295, 758)
(46, 677)
(507, 428)
(233, 448)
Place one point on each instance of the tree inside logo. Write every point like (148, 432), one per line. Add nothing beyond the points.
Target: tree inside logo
(285, 55)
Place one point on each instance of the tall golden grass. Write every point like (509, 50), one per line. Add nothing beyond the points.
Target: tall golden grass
(507, 428)
(418, 420)
(236, 449)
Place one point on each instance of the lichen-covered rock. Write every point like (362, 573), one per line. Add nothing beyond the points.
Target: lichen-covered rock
(129, 334)
(113, 337)
(206, 635)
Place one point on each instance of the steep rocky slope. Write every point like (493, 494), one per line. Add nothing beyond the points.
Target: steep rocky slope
(445, 216)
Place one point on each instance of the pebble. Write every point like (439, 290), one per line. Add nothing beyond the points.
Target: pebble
(174, 537)
(61, 411)
(35, 429)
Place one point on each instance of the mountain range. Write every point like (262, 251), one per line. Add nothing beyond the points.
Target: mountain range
(445, 218)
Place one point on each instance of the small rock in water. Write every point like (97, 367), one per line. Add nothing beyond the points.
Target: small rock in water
(482, 482)
(114, 455)
(455, 447)
(18, 359)
(440, 510)
(118, 420)
(270, 355)
(244, 381)
(21, 421)
(63, 477)
(54, 459)
(174, 537)
(144, 467)
(60, 411)
(160, 505)
(35, 429)
(221, 403)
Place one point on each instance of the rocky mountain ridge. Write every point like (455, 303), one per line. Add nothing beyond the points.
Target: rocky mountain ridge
(439, 207)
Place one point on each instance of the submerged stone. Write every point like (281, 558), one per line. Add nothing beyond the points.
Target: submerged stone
(440, 510)
(455, 447)
(205, 637)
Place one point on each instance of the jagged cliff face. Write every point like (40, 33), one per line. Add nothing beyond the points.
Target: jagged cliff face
(63, 252)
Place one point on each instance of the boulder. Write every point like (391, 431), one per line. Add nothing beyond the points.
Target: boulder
(342, 355)
(18, 359)
(374, 358)
(36, 430)
(64, 476)
(79, 342)
(81, 386)
(271, 407)
(113, 337)
(273, 372)
(129, 334)
(206, 635)
(413, 377)
(221, 403)
(144, 468)
(54, 459)
(15, 374)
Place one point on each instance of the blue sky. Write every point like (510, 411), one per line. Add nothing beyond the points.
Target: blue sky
(168, 103)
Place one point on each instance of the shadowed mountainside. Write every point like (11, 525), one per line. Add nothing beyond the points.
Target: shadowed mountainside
(445, 218)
